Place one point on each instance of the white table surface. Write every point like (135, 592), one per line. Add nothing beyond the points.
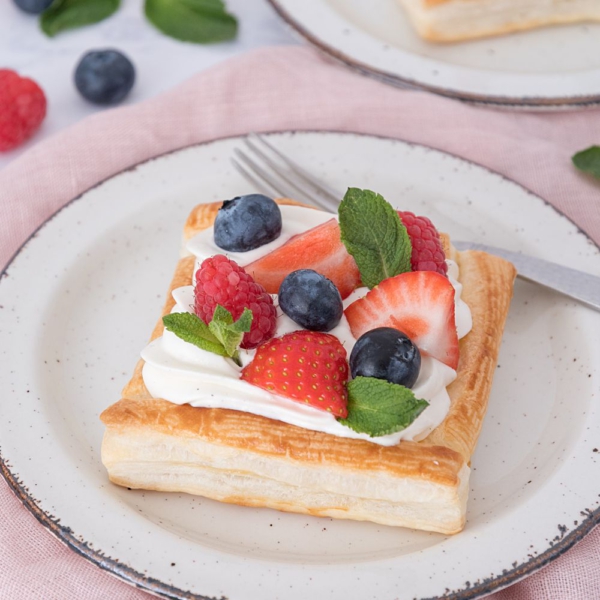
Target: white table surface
(161, 62)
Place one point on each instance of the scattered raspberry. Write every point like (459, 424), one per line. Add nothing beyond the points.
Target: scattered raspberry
(221, 281)
(427, 252)
(22, 109)
(304, 366)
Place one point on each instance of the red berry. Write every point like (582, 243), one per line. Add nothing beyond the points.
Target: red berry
(22, 109)
(427, 251)
(319, 249)
(418, 303)
(304, 366)
(222, 281)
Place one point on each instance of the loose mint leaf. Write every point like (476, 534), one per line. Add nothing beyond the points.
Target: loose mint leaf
(70, 14)
(191, 329)
(374, 235)
(198, 21)
(228, 333)
(588, 161)
(377, 407)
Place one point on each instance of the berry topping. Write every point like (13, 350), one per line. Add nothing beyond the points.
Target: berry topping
(33, 7)
(427, 252)
(303, 366)
(221, 281)
(320, 249)
(104, 76)
(420, 304)
(386, 353)
(311, 300)
(247, 222)
(22, 109)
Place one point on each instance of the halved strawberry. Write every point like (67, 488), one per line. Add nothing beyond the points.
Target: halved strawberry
(305, 366)
(320, 249)
(420, 304)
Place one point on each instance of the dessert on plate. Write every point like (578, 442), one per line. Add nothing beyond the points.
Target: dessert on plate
(333, 365)
(458, 20)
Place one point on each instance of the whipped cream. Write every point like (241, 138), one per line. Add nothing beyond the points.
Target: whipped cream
(182, 373)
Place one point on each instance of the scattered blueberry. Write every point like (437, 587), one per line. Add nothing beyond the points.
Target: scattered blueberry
(104, 76)
(33, 7)
(247, 222)
(386, 353)
(311, 300)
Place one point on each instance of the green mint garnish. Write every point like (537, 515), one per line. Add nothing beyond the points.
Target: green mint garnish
(374, 235)
(221, 336)
(198, 21)
(377, 407)
(588, 161)
(228, 332)
(70, 14)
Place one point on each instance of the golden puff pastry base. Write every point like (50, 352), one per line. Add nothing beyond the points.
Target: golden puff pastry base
(250, 460)
(460, 20)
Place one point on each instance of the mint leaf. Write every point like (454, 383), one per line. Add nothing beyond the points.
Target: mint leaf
(70, 14)
(198, 21)
(221, 336)
(374, 235)
(228, 333)
(194, 330)
(377, 407)
(588, 161)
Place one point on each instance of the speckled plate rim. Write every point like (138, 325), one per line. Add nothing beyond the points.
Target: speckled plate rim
(516, 102)
(557, 546)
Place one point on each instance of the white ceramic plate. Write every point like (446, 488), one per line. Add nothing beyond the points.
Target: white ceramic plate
(550, 67)
(80, 299)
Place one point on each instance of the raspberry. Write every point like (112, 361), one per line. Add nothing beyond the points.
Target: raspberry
(427, 251)
(22, 109)
(222, 281)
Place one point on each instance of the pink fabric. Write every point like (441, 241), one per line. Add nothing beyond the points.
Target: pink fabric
(268, 90)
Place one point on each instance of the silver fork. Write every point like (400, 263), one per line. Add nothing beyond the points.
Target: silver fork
(276, 175)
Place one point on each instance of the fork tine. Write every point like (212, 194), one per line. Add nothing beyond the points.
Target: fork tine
(293, 180)
(260, 186)
(271, 178)
(333, 194)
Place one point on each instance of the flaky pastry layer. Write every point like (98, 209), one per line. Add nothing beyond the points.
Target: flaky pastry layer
(250, 460)
(458, 20)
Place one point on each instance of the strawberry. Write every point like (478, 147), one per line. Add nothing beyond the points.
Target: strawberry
(320, 249)
(304, 366)
(420, 304)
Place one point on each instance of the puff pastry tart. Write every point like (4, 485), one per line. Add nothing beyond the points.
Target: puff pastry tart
(250, 459)
(457, 20)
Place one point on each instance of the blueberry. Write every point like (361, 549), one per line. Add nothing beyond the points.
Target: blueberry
(386, 353)
(104, 76)
(311, 300)
(247, 222)
(33, 7)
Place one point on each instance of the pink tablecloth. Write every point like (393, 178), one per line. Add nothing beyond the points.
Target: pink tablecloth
(269, 90)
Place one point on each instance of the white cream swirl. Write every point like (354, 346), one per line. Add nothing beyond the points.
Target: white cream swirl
(184, 374)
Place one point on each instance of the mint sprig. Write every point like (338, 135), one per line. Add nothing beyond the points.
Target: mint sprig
(221, 336)
(588, 160)
(70, 14)
(374, 235)
(198, 21)
(377, 407)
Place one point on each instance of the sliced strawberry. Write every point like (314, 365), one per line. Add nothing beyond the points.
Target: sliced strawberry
(304, 366)
(420, 304)
(320, 249)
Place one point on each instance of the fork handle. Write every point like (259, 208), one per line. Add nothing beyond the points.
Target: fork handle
(570, 282)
